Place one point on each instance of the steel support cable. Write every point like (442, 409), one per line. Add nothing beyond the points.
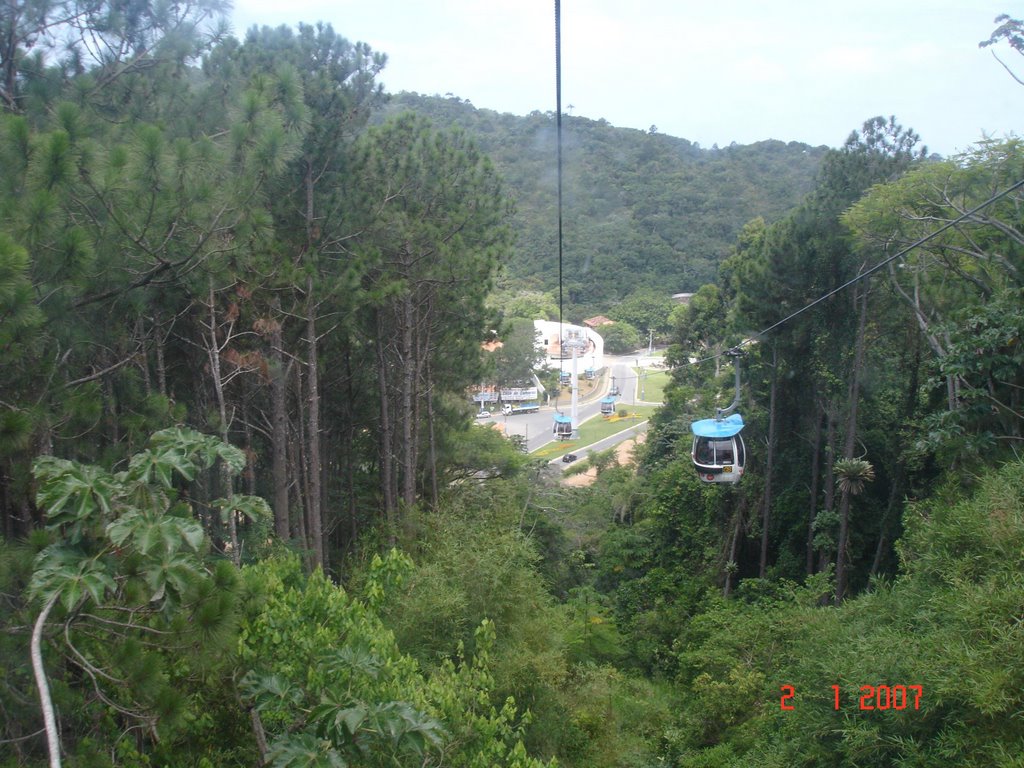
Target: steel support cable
(558, 144)
(885, 262)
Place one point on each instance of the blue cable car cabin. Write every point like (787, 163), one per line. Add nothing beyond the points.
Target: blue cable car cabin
(608, 405)
(562, 427)
(718, 451)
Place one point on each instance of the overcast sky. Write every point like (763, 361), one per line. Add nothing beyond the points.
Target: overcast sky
(711, 72)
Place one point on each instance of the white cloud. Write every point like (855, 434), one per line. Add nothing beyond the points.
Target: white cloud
(802, 70)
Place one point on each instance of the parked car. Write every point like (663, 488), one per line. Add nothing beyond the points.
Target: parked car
(484, 415)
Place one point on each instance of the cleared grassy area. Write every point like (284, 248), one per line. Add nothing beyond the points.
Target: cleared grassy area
(595, 430)
(654, 386)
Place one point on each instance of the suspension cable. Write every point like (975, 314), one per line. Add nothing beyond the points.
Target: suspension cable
(558, 143)
(900, 254)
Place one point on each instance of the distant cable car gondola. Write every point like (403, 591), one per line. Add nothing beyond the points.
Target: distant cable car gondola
(718, 451)
(562, 427)
(608, 405)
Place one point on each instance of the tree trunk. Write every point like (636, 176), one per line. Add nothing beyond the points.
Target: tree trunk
(733, 545)
(813, 501)
(766, 514)
(828, 476)
(315, 499)
(43, 686)
(142, 359)
(250, 450)
(161, 366)
(434, 491)
(259, 733)
(6, 509)
(279, 430)
(842, 556)
(384, 436)
(297, 523)
(110, 414)
(895, 491)
(417, 411)
(349, 448)
(900, 473)
(844, 537)
(213, 353)
(406, 415)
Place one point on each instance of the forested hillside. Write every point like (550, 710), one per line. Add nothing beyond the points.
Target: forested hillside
(247, 519)
(641, 210)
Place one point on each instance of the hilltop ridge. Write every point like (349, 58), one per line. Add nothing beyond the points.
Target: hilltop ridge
(642, 209)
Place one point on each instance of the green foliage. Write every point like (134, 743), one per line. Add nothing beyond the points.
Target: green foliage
(531, 305)
(130, 514)
(985, 357)
(518, 355)
(647, 310)
(615, 719)
(641, 201)
(470, 571)
(324, 705)
(477, 453)
(245, 220)
(942, 626)
(326, 675)
(701, 327)
(620, 338)
(592, 636)
(138, 600)
(970, 323)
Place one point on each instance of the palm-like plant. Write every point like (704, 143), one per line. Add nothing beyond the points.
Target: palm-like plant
(853, 474)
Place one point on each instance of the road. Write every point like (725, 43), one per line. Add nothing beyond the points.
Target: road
(536, 427)
(627, 434)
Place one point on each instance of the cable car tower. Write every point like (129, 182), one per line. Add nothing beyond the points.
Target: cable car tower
(718, 452)
(576, 341)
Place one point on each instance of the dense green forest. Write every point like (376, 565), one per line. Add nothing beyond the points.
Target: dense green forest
(247, 519)
(642, 211)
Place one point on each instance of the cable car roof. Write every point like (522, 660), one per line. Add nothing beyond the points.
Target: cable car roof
(727, 427)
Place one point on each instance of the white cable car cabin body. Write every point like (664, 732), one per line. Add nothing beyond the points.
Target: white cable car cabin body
(718, 451)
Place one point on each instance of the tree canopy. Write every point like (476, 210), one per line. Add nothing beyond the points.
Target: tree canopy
(247, 518)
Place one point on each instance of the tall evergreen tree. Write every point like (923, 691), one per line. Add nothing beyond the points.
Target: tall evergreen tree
(432, 218)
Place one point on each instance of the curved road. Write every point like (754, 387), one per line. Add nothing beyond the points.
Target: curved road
(536, 427)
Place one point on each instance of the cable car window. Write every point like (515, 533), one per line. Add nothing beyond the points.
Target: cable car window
(702, 451)
(723, 452)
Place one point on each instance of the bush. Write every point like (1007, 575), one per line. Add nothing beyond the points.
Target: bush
(620, 338)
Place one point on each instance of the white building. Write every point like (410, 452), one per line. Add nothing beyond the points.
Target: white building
(549, 338)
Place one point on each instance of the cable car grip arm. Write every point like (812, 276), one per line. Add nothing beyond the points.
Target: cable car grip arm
(735, 354)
